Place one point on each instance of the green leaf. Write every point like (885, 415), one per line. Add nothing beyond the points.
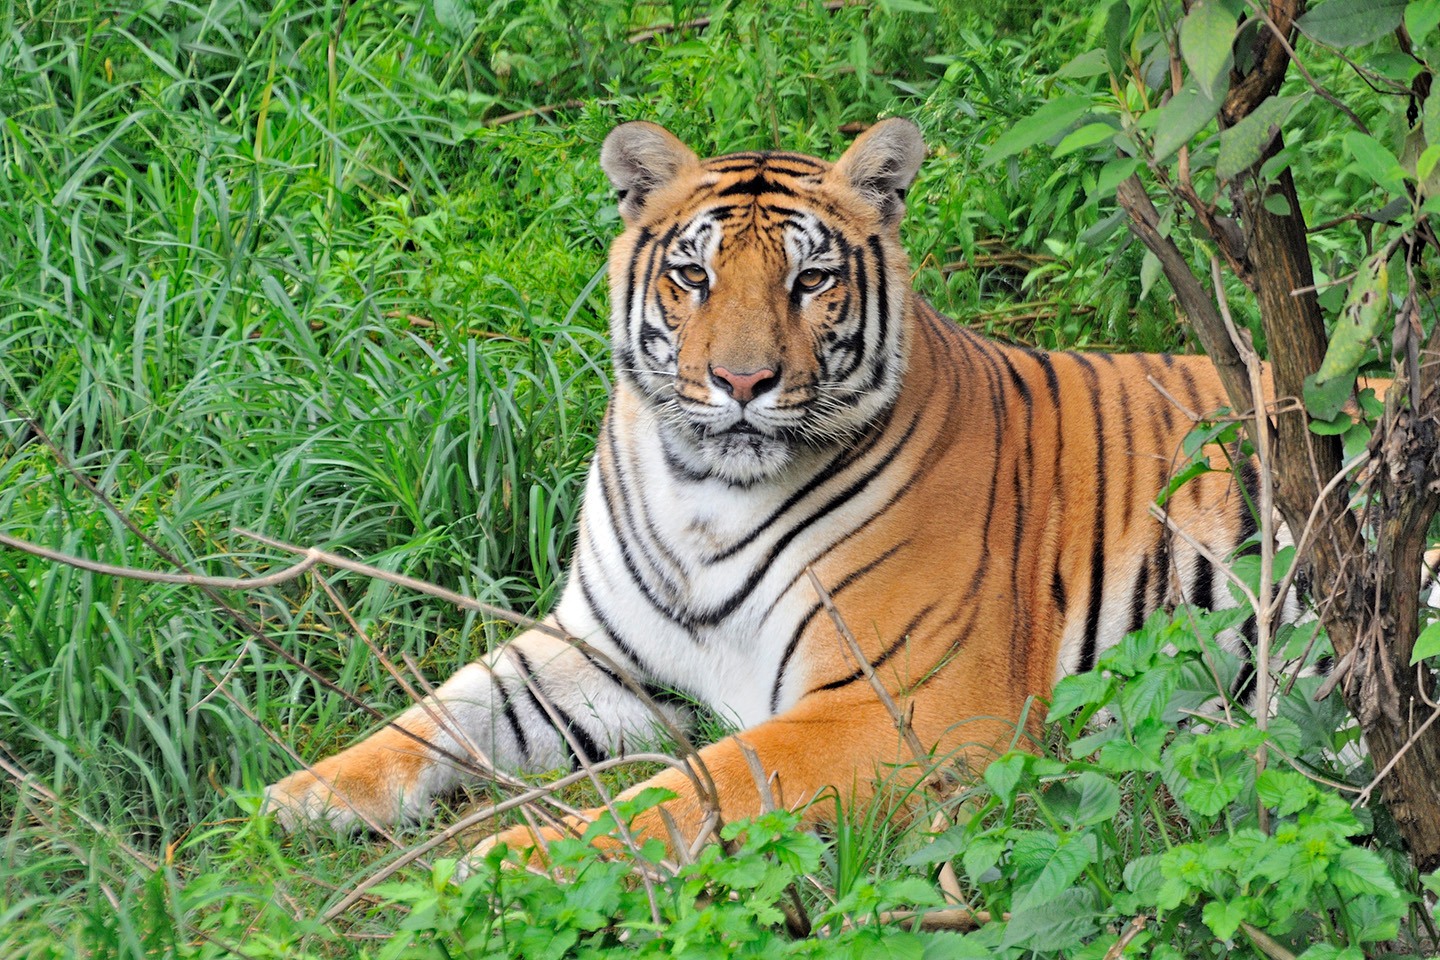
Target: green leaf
(1079, 690)
(1427, 644)
(1179, 480)
(1209, 797)
(981, 856)
(1187, 113)
(1150, 271)
(1278, 204)
(1205, 40)
(949, 844)
(1061, 923)
(1376, 160)
(1089, 64)
(1425, 164)
(1337, 427)
(1359, 321)
(1242, 144)
(1346, 23)
(1142, 875)
(1328, 951)
(1111, 174)
(1086, 136)
(1286, 792)
(1224, 917)
(1047, 122)
(1122, 756)
(1324, 401)
(1356, 870)
(1421, 17)
(1430, 120)
(1097, 800)
(1069, 861)
(1117, 25)
(1004, 775)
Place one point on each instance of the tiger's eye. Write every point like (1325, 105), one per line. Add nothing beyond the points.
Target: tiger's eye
(810, 279)
(693, 274)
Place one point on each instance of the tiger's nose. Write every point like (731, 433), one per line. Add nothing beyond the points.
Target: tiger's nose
(744, 386)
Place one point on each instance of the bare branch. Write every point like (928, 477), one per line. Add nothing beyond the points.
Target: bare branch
(155, 576)
(922, 756)
(1144, 222)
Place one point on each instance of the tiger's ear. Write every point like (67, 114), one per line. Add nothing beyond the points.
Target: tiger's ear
(881, 164)
(640, 157)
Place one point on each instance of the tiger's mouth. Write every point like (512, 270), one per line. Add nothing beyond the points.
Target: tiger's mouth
(742, 428)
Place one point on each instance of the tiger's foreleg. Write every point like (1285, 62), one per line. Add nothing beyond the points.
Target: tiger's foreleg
(825, 743)
(486, 714)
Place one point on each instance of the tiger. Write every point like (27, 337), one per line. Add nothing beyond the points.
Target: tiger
(784, 405)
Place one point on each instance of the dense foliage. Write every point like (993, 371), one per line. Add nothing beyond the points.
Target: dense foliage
(333, 271)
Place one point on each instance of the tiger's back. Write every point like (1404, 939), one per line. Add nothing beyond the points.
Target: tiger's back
(785, 403)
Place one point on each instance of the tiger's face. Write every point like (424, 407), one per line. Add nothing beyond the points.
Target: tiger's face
(758, 299)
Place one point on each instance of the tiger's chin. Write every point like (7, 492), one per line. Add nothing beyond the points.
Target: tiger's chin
(744, 458)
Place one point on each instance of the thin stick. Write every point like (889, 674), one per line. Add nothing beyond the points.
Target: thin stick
(922, 756)
(1132, 930)
(586, 765)
(958, 918)
(478, 817)
(1204, 551)
(1283, 590)
(155, 576)
(1369, 788)
(1259, 429)
(695, 769)
(505, 118)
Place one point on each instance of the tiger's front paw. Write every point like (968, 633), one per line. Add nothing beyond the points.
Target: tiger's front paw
(347, 796)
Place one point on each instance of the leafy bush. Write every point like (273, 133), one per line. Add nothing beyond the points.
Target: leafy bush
(1149, 816)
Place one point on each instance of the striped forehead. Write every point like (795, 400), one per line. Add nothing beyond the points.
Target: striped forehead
(773, 199)
(753, 185)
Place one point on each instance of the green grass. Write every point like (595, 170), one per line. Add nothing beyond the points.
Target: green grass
(266, 266)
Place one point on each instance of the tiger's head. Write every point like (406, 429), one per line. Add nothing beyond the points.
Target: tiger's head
(759, 300)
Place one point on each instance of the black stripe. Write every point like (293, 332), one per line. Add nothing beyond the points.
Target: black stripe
(1128, 423)
(1249, 503)
(1203, 593)
(882, 310)
(653, 535)
(1244, 686)
(1097, 546)
(725, 608)
(535, 704)
(992, 379)
(805, 621)
(841, 462)
(755, 186)
(626, 648)
(678, 468)
(592, 751)
(510, 717)
(890, 651)
(1147, 364)
(950, 651)
(628, 559)
(1057, 592)
(1140, 597)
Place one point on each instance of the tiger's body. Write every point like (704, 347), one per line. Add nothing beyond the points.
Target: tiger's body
(784, 402)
